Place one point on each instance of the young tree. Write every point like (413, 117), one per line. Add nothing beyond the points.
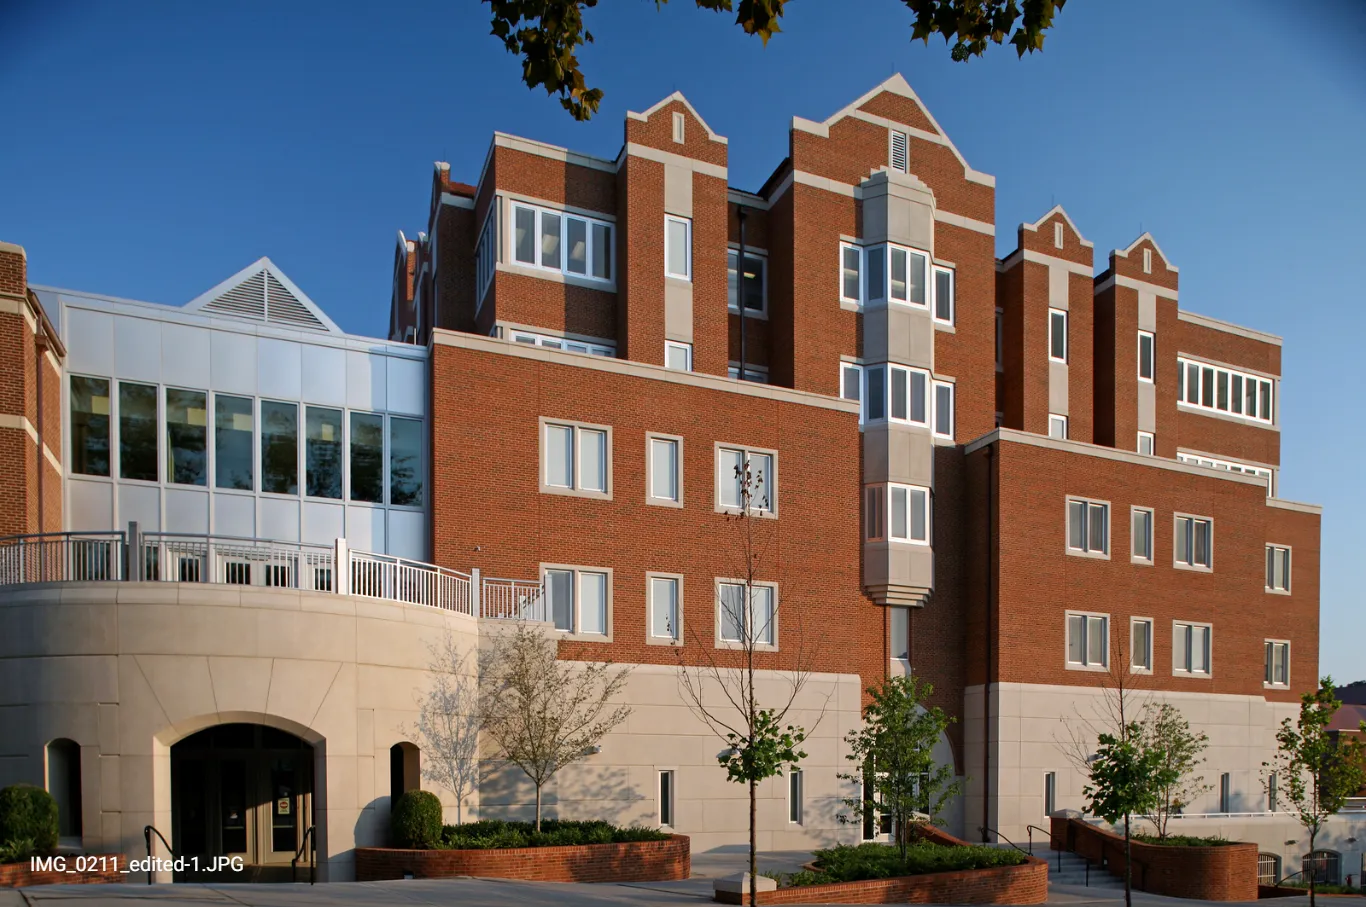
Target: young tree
(1315, 769)
(547, 33)
(760, 745)
(541, 713)
(448, 723)
(1168, 732)
(1125, 775)
(894, 754)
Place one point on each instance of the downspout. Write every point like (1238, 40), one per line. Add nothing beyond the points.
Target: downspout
(986, 681)
(740, 286)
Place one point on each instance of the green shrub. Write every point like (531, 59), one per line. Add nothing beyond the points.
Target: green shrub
(17, 850)
(492, 834)
(28, 814)
(881, 861)
(415, 821)
(1183, 841)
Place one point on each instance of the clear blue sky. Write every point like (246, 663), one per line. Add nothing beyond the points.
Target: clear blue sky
(153, 149)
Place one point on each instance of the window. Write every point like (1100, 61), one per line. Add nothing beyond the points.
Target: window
(1271, 785)
(943, 409)
(875, 529)
(909, 394)
(1191, 649)
(576, 458)
(1141, 547)
(1229, 466)
(578, 600)
(1145, 443)
(1224, 390)
(1277, 569)
(187, 430)
(794, 795)
(323, 452)
(564, 343)
(908, 514)
(900, 646)
(851, 384)
(1147, 261)
(666, 484)
(1225, 793)
(664, 607)
(1050, 779)
(1088, 640)
(1088, 527)
(898, 156)
(1057, 335)
(1140, 644)
(943, 294)
(897, 393)
(756, 291)
(884, 272)
(1057, 234)
(1000, 343)
(1057, 426)
(1145, 357)
(1194, 545)
(666, 798)
(559, 241)
(406, 471)
(233, 437)
(758, 374)
(678, 247)
(851, 273)
(1268, 869)
(732, 466)
(486, 254)
(367, 457)
(875, 396)
(1324, 866)
(279, 447)
(678, 356)
(1277, 663)
(742, 622)
(89, 426)
(679, 124)
(138, 431)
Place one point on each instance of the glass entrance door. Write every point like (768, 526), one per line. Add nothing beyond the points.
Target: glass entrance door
(279, 817)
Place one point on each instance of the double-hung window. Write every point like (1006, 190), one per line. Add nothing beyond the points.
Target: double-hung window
(1141, 535)
(576, 459)
(1057, 335)
(666, 470)
(1194, 542)
(898, 513)
(943, 409)
(851, 385)
(559, 241)
(1141, 645)
(1224, 390)
(1277, 663)
(746, 613)
(755, 284)
(1277, 568)
(907, 394)
(943, 294)
(1146, 354)
(677, 247)
(1088, 640)
(579, 599)
(746, 477)
(666, 607)
(1191, 649)
(1088, 527)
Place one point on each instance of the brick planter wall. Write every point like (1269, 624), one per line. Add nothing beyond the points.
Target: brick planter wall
(636, 861)
(1227, 873)
(18, 875)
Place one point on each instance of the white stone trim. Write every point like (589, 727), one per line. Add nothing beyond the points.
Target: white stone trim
(1149, 237)
(633, 149)
(967, 223)
(1130, 283)
(458, 201)
(8, 420)
(1058, 209)
(554, 152)
(1042, 258)
(661, 104)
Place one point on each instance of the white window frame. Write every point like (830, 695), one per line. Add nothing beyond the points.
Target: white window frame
(1188, 627)
(685, 348)
(721, 642)
(895, 613)
(565, 216)
(1269, 669)
(577, 430)
(679, 127)
(857, 370)
(1066, 339)
(486, 255)
(1273, 549)
(1196, 400)
(1057, 234)
(884, 497)
(1087, 505)
(576, 612)
(1151, 377)
(650, 497)
(796, 796)
(652, 636)
(1261, 472)
(606, 349)
(687, 227)
(759, 255)
(672, 804)
(1177, 554)
(935, 270)
(770, 491)
(1054, 419)
(1134, 557)
(883, 295)
(1086, 664)
(839, 273)
(934, 415)
(1147, 666)
(1147, 261)
(1152, 443)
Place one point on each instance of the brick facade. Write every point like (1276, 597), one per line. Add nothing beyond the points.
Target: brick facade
(639, 861)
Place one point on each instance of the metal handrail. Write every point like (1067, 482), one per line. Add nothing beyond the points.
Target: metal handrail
(310, 841)
(983, 829)
(1030, 829)
(147, 832)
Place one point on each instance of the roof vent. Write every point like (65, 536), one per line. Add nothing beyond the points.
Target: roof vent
(261, 293)
(246, 300)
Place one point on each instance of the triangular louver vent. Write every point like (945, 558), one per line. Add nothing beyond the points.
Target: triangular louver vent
(262, 293)
(247, 299)
(283, 308)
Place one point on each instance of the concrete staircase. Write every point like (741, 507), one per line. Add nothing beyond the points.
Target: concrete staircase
(1073, 873)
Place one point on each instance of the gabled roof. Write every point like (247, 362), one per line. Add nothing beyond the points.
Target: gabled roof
(1149, 237)
(261, 292)
(677, 96)
(1058, 209)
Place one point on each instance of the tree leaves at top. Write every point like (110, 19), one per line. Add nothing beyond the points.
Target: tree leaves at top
(547, 33)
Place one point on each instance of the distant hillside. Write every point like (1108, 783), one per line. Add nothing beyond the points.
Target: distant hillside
(1353, 693)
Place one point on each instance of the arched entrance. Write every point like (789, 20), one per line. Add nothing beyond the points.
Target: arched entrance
(241, 790)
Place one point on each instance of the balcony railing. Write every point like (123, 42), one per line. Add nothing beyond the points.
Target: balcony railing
(56, 557)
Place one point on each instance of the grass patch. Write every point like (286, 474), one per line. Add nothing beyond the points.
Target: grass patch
(494, 834)
(1183, 841)
(883, 861)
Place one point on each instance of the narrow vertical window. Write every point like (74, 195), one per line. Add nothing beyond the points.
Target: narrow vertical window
(559, 459)
(89, 426)
(1057, 335)
(524, 235)
(1057, 426)
(678, 247)
(592, 460)
(576, 245)
(876, 258)
(602, 251)
(1141, 644)
(753, 282)
(851, 273)
(1147, 261)
(1057, 235)
(1225, 789)
(138, 431)
(1050, 779)
(877, 391)
(559, 589)
(593, 603)
(678, 125)
(664, 608)
(367, 457)
(678, 356)
(943, 295)
(279, 447)
(1000, 342)
(551, 248)
(187, 431)
(794, 796)
(233, 437)
(664, 472)
(406, 471)
(1145, 443)
(1142, 535)
(666, 799)
(943, 409)
(1145, 356)
(323, 452)
(1271, 785)
(901, 633)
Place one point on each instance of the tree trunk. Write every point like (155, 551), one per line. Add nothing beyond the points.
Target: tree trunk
(538, 807)
(1313, 868)
(1128, 866)
(753, 841)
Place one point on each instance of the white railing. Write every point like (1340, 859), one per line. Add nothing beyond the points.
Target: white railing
(183, 558)
(398, 579)
(510, 599)
(61, 557)
(1354, 805)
